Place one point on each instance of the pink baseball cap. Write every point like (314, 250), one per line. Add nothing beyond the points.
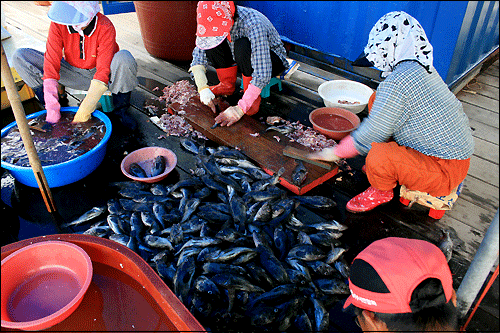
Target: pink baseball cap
(214, 22)
(384, 275)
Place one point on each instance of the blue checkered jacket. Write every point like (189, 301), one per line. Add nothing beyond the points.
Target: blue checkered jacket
(418, 111)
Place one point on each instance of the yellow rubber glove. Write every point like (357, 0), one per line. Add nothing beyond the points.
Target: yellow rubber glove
(206, 95)
(96, 89)
(199, 76)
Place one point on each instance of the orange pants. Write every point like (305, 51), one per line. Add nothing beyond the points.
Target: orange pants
(388, 164)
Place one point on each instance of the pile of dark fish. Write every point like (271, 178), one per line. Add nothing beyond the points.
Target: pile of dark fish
(231, 244)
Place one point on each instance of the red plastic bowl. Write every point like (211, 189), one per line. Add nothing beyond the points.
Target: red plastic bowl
(145, 158)
(335, 123)
(42, 284)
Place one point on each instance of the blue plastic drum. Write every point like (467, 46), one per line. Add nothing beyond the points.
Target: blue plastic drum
(67, 172)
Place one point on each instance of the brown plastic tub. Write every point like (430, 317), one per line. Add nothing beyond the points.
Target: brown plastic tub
(168, 28)
(125, 294)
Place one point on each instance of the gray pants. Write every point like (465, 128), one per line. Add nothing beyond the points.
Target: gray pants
(123, 78)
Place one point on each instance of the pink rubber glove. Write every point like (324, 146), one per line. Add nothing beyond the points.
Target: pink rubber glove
(249, 97)
(51, 100)
(230, 116)
(345, 148)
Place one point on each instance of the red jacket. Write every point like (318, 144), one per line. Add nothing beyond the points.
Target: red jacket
(95, 50)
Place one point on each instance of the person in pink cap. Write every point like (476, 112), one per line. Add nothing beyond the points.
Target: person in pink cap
(402, 285)
(82, 54)
(232, 38)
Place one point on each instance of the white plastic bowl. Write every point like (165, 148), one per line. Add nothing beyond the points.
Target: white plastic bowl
(332, 92)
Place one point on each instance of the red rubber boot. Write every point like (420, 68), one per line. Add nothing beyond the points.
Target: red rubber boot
(227, 81)
(256, 105)
(368, 200)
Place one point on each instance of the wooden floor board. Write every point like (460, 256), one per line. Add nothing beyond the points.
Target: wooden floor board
(480, 193)
(483, 169)
(481, 101)
(484, 131)
(488, 80)
(486, 150)
(481, 115)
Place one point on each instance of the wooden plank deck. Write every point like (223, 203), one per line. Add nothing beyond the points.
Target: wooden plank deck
(470, 217)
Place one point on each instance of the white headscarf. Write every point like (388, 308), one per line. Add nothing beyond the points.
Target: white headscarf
(395, 37)
(67, 12)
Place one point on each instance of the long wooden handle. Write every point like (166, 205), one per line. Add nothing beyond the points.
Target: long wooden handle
(22, 124)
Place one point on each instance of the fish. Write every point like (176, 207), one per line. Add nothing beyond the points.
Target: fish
(264, 183)
(159, 189)
(334, 254)
(129, 184)
(321, 316)
(446, 244)
(316, 201)
(283, 129)
(137, 171)
(159, 211)
(266, 195)
(328, 225)
(264, 214)
(320, 267)
(199, 242)
(302, 322)
(261, 315)
(306, 252)
(184, 277)
(120, 238)
(189, 145)
(114, 224)
(230, 153)
(227, 181)
(87, 216)
(238, 209)
(342, 267)
(165, 270)
(299, 174)
(287, 311)
(219, 268)
(242, 163)
(114, 206)
(275, 295)
(176, 234)
(227, 280)
(206, 286)
(190, 208)
(332, 286)
(158, 242)
(99, 231)
(228, 254)
(159, 165)
(272, 265)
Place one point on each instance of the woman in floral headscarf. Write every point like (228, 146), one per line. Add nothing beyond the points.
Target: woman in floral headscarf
(431, 141)
(82, 54)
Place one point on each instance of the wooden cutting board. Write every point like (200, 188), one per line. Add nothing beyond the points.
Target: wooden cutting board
(266, 149)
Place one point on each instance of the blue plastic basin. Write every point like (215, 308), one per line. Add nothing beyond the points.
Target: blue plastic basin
(66, 172)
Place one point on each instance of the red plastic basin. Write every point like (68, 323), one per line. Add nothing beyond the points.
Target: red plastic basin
(125, 293)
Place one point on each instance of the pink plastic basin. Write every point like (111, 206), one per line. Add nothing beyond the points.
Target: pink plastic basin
(144, 157)
(42, 284)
